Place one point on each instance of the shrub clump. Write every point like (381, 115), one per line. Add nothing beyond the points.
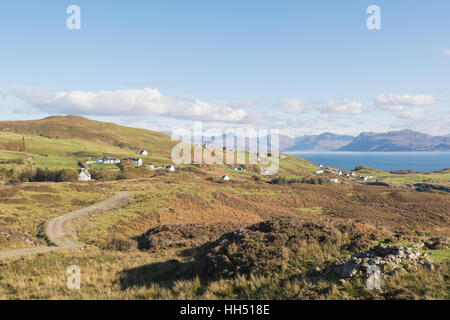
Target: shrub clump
(262, 248)
(118, 244)
(184, 235)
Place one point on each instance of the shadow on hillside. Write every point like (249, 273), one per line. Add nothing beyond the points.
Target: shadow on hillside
(164, 274)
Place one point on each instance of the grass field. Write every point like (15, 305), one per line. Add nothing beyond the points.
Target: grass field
(23, 208)
(113, 268)
(142, 275)
(438, 178)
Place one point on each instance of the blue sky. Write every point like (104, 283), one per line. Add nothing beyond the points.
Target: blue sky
(301, 66)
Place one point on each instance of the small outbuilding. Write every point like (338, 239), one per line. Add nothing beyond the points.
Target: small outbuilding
(143, 153)
(135, 161)
(170, 168)
(84, 175)
(225, 177)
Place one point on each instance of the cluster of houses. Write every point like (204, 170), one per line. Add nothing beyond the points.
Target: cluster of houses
(84, 174)
(113, 160)
(349, 175)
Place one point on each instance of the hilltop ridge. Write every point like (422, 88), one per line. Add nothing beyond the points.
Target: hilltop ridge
(81, 128)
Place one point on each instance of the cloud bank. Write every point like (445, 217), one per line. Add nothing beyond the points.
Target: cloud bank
(294, 106)
(405, 100)
(133, 102)
(344, 107)
(399, 104)
(299, 106)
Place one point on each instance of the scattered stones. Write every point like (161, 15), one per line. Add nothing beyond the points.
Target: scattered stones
(427, 265)
(9, 235)
(381, 256)
(347, 270)
(397, 271)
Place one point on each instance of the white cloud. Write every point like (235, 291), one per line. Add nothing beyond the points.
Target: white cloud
(413, 114)
(299, 106)
(437, 125)
(132, 102)
(405, 100)
(398, 103)
(395, 108)
(294, 106)
(344, 107)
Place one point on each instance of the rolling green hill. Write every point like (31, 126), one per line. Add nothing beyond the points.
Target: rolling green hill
(60, 141)
(75, 128)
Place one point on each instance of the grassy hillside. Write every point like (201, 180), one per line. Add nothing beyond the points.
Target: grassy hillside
(114, 265)
(113, 268)
(75, 129)
(441, 177)
(60, 142)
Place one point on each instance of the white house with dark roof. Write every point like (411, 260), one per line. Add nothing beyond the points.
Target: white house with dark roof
(170, 168)
(143, 153)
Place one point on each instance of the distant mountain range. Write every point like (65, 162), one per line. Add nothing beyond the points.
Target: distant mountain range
(404, 140)
(322, 142)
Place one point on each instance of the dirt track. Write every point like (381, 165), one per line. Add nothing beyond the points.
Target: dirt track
(55, 228)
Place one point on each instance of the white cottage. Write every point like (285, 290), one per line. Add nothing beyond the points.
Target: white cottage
(225, 177)
(135, 161)
(143, 153)
(84, 175)
(170, 168)
(108, 160)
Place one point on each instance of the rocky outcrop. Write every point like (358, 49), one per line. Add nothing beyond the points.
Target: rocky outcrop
(389, 259)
